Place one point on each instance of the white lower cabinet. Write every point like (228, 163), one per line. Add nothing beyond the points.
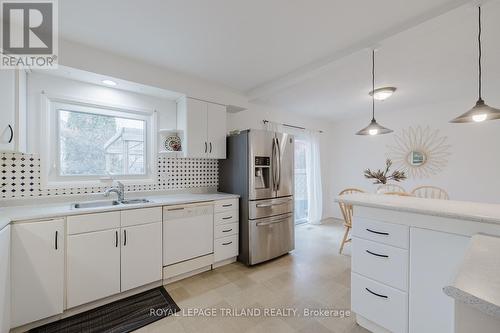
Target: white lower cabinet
(383, 305)
(93, 266)
(434, 261)
(37, 270)
(5, 279)
(141, 255)
(226, 230)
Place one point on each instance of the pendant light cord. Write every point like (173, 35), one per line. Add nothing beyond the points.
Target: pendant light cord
(373, 84)
(480, 54)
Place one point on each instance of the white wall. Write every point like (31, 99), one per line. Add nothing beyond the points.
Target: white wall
(472, 170)
(253, 117)
(58, 86)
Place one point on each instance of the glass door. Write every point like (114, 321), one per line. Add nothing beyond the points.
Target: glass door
(300, 176)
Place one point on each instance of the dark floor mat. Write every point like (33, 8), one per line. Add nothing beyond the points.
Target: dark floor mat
(125, 315)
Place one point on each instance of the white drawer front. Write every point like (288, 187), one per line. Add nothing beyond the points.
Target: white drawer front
(93, 222)
(383, 232)
(140, 216)
(225, 205)
(230, 216)
(224, 230)
(225, 248)
(385, 306)
(380, 262)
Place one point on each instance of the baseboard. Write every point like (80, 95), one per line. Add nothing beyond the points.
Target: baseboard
(370, 325)
(224, 262)
(85, 307)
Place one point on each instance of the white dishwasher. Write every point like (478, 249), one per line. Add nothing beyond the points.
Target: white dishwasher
(188, 232)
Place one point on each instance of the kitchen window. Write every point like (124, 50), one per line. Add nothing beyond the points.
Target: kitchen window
(89, 142)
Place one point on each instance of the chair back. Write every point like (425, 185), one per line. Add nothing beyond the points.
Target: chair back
(430, 192)
(345, 208)
(384, 188)
(401, 194)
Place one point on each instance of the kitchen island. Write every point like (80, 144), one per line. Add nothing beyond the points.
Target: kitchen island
(405, 252)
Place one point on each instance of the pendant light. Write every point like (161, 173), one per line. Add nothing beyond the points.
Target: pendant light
(373, 128)
(481, 111)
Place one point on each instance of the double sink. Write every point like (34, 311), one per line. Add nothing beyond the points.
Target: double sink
(109, 203)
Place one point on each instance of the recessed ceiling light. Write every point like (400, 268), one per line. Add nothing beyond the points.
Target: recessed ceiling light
(381, 94)
(109, 82)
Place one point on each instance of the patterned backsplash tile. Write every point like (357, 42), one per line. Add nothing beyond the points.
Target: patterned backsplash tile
(20, 177)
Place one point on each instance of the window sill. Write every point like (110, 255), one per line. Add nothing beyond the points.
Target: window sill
(53, 184)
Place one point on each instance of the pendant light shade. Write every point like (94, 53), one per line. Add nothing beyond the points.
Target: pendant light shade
(373, 128)
(481, 111)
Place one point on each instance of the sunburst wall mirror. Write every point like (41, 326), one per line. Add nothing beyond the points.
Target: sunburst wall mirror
(421, 152)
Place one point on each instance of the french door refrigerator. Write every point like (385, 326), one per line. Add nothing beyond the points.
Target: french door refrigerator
(260, 168)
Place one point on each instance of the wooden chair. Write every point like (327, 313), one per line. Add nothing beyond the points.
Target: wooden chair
(390, 188)
(401, 194)
(347, 210)
(430, 192)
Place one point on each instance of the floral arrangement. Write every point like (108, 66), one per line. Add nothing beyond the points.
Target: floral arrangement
(382, 176)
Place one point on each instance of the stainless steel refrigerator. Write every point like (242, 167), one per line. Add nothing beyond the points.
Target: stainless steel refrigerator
(260, 168)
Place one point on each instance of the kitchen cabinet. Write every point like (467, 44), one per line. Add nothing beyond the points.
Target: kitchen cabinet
(37, 270)
(204, 125)
(5, 279)
(226, 231)
(125, 255)
(434, 260)
(141, 255)
(93, 266)
(12, 110)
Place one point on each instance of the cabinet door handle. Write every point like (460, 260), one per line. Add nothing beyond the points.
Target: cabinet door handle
(124, 237)
(55, 240)
(206, 147)
(377, 255)
(116, 238)
(377, 232)
(228, 230)
(11, 133)
(210, 147)
(227, 218)
(227, 243)
(379, 295)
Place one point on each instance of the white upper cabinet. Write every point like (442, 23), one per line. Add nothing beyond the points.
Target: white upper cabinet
(204, 126)
(37, 270)
(216, 130)
(12, 110)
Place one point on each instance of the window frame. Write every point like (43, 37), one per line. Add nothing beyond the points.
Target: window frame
(50, 150)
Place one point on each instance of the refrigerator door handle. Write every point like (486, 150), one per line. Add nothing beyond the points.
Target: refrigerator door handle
(279, 165)
(273, 166)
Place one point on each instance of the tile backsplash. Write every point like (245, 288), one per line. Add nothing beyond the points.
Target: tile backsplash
(20, 177)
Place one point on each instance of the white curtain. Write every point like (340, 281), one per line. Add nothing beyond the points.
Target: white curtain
(313, 171)
(313, 168)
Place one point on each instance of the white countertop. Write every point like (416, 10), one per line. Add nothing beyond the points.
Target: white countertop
(20, 213)
(481, 212)
(478, 280)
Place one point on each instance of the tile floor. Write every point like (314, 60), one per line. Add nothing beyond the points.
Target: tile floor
(313, 276)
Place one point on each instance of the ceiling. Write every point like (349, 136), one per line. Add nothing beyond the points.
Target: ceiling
(304, 56)
(431, 63)
(241, 44)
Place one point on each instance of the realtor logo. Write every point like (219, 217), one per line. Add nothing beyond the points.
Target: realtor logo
(29, 34)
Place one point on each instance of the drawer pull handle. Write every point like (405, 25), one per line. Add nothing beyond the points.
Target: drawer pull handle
(376, 254)
(228, 230)
(228, 205)
(379, 295)
(377, 232)
(227, 243)
(227, 218)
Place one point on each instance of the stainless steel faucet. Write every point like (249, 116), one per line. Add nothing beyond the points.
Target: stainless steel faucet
(119, 189)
